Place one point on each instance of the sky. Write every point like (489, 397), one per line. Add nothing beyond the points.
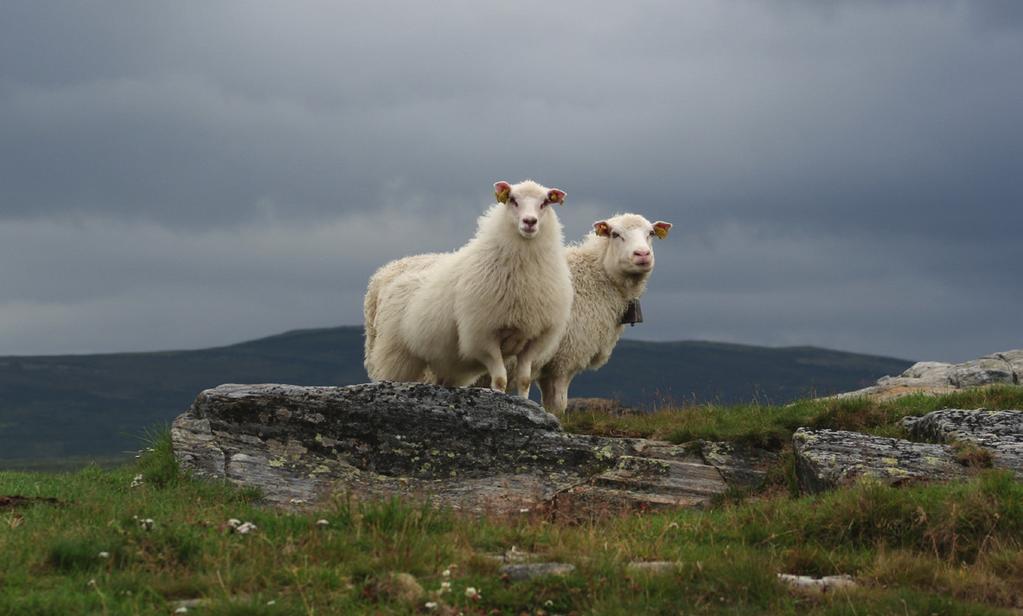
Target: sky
(190, 174)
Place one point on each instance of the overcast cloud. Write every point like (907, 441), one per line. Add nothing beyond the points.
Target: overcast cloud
(187, 174)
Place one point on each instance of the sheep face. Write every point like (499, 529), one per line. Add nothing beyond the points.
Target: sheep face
(526, 204)
(630, 238)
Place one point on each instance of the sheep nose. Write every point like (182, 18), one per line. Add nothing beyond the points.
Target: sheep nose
(641, 253)
(529, 221)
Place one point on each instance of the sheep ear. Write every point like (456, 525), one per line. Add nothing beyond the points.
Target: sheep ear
(502, 190)
(555, 195)
(661, 229)
(601, 228)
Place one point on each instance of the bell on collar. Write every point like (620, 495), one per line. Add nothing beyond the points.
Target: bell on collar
(633, 313)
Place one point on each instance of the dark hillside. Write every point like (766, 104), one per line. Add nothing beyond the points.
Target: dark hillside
(98, 405)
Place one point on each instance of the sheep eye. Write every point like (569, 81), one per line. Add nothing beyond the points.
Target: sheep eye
(615, 234)
(544, 204)
(513, 201)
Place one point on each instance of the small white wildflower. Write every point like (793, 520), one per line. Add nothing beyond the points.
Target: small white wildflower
(271, 602)
(548, 603)
(147, 524)
(137, 481)
(524, 510)
(445, 587)
(430, 605)
(181, 610)
(472, 593)
(234, 522)
(104, 554)
(446, 573)
(323, 523)
(92, 582)
(297, 501)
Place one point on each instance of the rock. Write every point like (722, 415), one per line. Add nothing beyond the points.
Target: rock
(999, 432)
(826, 459)
(938, 377)
(467, 448)
(742, 466)
(651, 567)
(817, 586)
(402, 587)
(529, 571)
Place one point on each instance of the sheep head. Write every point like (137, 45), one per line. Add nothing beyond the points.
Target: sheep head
(527, 204)
(629, 238)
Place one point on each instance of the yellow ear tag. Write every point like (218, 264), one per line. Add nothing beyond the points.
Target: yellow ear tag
(661, 232)
(502, 196)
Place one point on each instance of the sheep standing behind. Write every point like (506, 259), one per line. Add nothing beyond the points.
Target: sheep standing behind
(452, 313)
(610, 269)
(378, 281)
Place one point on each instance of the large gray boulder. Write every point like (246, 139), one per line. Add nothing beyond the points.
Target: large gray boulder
(939, 377)
(829, 458)
(467, 448)
(998, 432)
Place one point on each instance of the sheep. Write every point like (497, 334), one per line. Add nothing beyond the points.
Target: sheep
(379, 280)
(610, 269)
(457, 315)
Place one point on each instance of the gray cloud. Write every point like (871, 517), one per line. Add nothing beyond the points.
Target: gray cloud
(841, 174)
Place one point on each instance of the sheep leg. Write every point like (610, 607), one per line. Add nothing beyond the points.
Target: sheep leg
(546, 393)
(494, 363)
(554, 392)
(524, 369)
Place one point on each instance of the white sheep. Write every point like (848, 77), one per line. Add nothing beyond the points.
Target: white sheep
(453, 314)
(378, 281)
(610, 269)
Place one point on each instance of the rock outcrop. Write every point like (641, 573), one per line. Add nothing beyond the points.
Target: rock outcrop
(829, 458)
(939, 377)
(997, 432)
(469, 448)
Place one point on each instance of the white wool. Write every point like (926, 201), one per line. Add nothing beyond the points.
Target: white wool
(450, 314)
(605, 280)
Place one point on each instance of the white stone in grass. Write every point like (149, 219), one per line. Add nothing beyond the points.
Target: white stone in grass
(430, 605)
(137, 481)
(472, 593)
(245, 528)
(323, 523)
(812, 585)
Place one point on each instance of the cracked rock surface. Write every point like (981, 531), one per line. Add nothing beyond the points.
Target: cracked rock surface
(829, 458)
(999, 432)
(468, 448)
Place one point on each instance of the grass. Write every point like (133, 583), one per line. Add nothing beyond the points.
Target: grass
(927, 549)
(772, 426)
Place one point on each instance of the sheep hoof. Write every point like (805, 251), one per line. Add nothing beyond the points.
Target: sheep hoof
(499, 383)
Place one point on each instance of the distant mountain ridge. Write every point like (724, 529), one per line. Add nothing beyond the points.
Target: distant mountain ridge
(98, 405)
